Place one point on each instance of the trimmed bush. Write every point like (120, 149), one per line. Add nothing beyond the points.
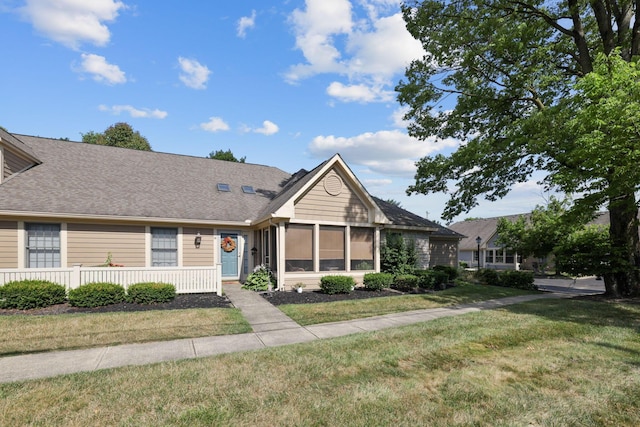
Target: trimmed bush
(405, 282)
(432, 279)
(377, 281)
(27, 294)
(151, 293)
(518, 280)
(451, 272)
(487, 276)
(96, 295)
(337, 284)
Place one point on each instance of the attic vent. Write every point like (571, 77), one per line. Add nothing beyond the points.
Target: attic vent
(224, 187)
(333, 185)
(248, 189)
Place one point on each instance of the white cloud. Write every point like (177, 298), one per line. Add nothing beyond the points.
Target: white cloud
(215, 124)
(194, 74)
(386, 152)
(268, 128)
(134, 112)
(101, 70)
(358, 93)
(368, 52)
(398, 117)
(376, 182)
(72, 22)
(245, 23)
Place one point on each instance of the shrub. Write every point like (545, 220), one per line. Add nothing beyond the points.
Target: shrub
(96, 295)
(337, 284)
(260, 279)
(377, 281)
(433, 279)
(151, 293)
(518, 280)
(451, 272)
(487, 276)
(27, 294)
(398, 256)
(405, 282)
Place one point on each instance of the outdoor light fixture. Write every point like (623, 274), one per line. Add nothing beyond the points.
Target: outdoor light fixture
(198, 240)
(478, 241)
(254, 251)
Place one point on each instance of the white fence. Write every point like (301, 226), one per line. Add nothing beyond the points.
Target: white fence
(187, 280)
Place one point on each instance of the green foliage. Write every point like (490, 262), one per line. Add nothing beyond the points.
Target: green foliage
(118, 135)
(28, 294)
(517, 279)
(151, 293)
(487, 276)
(226, 156)
(535, 90)
(96, 294)
(405, 282)
(451, 272)
(585, 252)
(377, 281)
(261, 279)
(397, 256)
(334, 284)
(433, 279)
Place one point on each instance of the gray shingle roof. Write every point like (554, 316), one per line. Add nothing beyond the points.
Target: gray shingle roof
(401, 217)
(85, 179)
(16, 143)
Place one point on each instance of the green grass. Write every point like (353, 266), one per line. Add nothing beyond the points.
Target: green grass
(311, 314)
(26, 334)
(543, 363)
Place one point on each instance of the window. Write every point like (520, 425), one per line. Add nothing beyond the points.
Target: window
(299, 247)
(164, 247)
(331, 248)
(488, 256)
(248, 189)
(361, 242)
(500, 256)
(224, 187)
(43, 245)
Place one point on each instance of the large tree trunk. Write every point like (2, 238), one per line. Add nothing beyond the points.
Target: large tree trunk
(624, 279)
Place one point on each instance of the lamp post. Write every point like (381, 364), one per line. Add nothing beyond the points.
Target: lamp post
(478, 241)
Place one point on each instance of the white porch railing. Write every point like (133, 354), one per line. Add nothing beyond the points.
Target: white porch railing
(187, 280)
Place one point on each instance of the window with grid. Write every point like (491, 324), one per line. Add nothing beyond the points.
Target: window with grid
(43, 245)
(361, 242)
(331, 248)
(164, 247)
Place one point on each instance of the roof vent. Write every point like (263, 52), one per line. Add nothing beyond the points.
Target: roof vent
(224, 187)
(248, 189)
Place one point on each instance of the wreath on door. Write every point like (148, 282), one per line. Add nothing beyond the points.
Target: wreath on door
(228, 244)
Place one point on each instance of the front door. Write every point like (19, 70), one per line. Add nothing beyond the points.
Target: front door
(229, 254)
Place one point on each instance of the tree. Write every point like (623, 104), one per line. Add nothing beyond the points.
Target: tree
(549, 86)
(226, 156)
(118, 135)
(394, 202)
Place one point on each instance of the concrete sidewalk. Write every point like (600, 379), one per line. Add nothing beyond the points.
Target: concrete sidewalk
(271, 328)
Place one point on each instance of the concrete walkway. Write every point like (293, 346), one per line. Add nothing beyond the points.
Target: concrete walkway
(271, 328)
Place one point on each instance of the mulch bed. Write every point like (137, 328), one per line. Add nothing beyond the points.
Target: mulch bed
(182, 301)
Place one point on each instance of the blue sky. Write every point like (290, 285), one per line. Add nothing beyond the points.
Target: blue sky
(284, 83)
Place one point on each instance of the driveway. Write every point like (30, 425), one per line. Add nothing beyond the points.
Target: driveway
(583, 285)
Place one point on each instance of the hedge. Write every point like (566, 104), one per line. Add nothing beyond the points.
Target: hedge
(377, 281)
(96, 295)
(337, 284)
(28, 294)
(151, 293)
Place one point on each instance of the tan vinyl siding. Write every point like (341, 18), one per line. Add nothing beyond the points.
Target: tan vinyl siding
(197, 257)
(330, 201)
(89, 244)
(8, 244)
(13, 163)
(443, 252)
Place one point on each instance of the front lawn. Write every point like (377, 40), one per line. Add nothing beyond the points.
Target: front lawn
(551, 362)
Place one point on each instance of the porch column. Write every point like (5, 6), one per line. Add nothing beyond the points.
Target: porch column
(280, 250)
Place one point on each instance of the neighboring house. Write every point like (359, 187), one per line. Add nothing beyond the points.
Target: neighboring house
(491, 255)
(67, 203)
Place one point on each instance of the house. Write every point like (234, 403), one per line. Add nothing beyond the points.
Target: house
(65, 204)
(480, 237)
